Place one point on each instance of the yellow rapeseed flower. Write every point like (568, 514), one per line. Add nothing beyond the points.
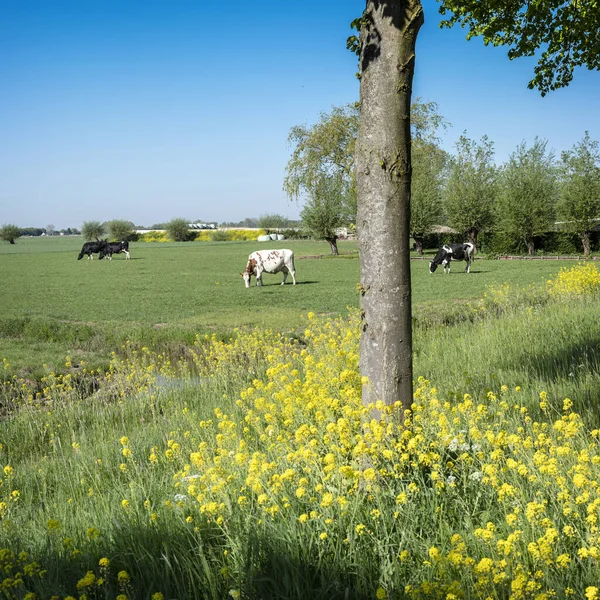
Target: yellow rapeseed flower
(591, 592)
(86, 581)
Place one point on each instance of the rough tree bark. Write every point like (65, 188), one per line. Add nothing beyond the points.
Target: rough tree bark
(529, 243)
(586, 242)
(383, 166)
(418, 244)
(333, 244)
(472, 236)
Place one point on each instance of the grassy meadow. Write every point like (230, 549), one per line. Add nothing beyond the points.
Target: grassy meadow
(54, 305)
(205, 461)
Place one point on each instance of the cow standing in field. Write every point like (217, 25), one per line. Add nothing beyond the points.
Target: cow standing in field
(90, 248)
(450, 252)
(117, 248)
(269, 261)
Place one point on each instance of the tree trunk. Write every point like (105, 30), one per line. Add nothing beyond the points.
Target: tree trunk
(530, 246)
(418, 244)
(383, 167)
(587, 243)
(472, 235)
(333, 243)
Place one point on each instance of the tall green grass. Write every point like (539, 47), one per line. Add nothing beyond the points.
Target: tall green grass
(555, 348)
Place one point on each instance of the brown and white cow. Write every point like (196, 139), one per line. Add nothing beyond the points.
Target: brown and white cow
(269, 261)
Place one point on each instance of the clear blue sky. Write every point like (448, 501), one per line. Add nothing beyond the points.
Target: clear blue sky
(152, 110)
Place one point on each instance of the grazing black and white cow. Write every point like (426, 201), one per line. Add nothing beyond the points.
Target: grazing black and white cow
(117, 248)
(450, 252)
(90, 248)
(269, 261)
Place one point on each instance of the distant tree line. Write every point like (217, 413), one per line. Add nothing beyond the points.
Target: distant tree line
(177, 229)
(10, 232)
(518, 204)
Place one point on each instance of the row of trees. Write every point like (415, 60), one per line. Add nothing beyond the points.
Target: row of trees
(177, 229)
(467, 191)
(10, 232)
(117, 230)
(526, 196)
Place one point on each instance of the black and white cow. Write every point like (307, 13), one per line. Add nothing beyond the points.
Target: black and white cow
(117, 248)
(269, 261)
(90, 248)
(450, 252)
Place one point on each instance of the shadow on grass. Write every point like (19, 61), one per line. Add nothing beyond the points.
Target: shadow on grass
(183, 565)
(286, 284)
(575, 368)
(572, 371)
(461, 272)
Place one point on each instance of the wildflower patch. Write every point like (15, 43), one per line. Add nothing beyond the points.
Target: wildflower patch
(581, 280)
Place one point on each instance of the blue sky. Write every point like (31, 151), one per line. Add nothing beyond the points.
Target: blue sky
(152, 110)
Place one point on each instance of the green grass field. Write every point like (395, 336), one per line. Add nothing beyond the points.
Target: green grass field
(199, 283)
(54, 305)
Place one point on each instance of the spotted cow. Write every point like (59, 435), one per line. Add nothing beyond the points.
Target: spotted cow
(269, 261)
(450, 252)
(117, 248)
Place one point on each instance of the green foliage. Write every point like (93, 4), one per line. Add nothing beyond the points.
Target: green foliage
(471, 189)
(324, 210)
(561, 243)
(326, 149)
(295, 234)
(428, 163)
(178, 230)
(121, 230)
(35, 231)
(567, 31)
(426, 188)
(9, 233)
(527, 198)
(91, 230)
(219, 236)
(273, 221)
(426, 122)
(579, 190)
